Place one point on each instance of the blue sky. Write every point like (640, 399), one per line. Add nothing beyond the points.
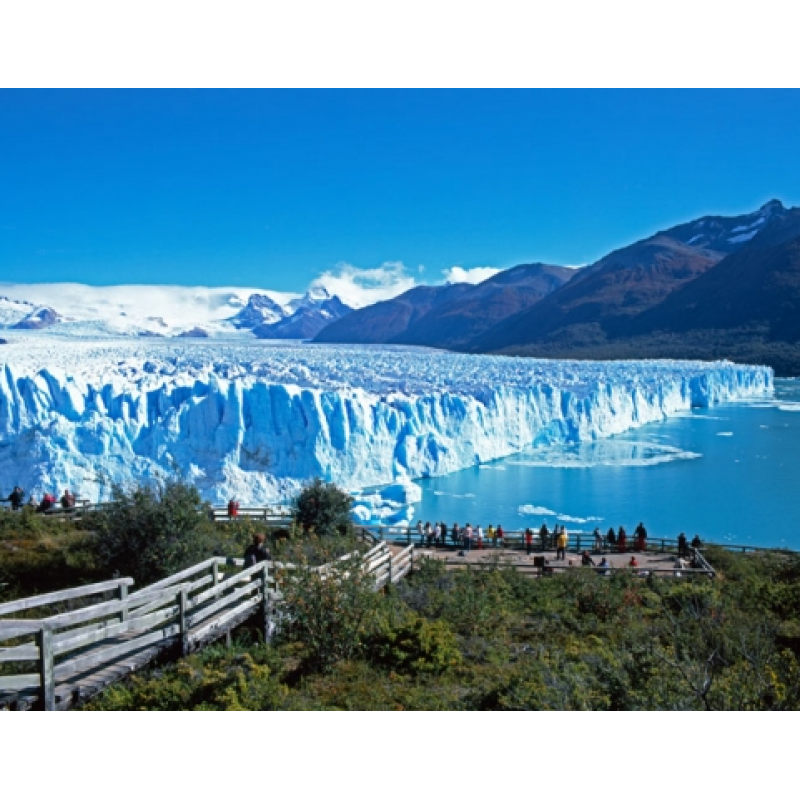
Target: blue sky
(272, 188)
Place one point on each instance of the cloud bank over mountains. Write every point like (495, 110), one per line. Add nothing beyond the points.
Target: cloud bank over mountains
(167, 310)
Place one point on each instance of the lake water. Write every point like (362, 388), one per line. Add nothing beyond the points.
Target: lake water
(729, 473)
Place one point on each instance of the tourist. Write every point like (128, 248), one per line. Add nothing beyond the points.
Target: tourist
(611, 538)
(437, 532)
(586, 559)
(67, 500)
(633, 562)
(256, 552)
(421, 533)
(641, 537)
(15, 498)
(48, 502)
(501, 536)
(490, 536)
(479, 536)
(528, 541)
(544, 535)
(598, 540)
(604, 568)
(561, 545)
(622, 540)
(428, 534)
(467, 537)
(696, 542)
(456, 534)
(233, 508)
(682, 549)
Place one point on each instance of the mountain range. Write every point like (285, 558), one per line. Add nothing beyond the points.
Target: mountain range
(714, 287)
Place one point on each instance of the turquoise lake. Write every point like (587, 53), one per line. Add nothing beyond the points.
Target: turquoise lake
(730, 473)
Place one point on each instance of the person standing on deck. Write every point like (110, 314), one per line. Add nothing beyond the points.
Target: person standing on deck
(501, 536)
(479, 536)
(611, 538)
(528, 541)
(15, 498)
(544, 535)
(598, 539)
(622, 540)
(420, 532)
(561, 545)
(233, 508)
(490, 536)
(456, 534)
(256, 552)
(641, 537)
(467, 537)
(682, 549)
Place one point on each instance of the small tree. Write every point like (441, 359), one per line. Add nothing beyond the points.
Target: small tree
(329, 609)
(323, 509)
(153, 531)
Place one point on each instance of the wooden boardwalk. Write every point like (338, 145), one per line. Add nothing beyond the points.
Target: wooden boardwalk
(63, 658)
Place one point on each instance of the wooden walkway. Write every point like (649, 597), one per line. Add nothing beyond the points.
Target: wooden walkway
(63, 658)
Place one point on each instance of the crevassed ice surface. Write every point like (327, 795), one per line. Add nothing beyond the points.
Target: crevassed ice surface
(256, 420)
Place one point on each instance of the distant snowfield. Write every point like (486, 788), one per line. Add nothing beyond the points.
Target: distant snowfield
(99, 310)
(255, 419)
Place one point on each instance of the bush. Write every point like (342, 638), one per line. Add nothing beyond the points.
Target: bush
(416, 646)
(323, 509)
(329, 610)
(153, 531)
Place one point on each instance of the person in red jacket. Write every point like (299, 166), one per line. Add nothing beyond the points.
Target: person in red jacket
(233, 508)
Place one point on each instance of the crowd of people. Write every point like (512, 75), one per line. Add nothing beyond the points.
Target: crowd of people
(49, 502)
(474, 537)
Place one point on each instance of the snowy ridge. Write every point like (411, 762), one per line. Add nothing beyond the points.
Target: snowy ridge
(255, 420)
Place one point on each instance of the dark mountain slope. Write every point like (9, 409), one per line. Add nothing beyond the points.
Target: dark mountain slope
(600, 302)
(456, 321)
(448, 316)
(757, 287)
(383, 322)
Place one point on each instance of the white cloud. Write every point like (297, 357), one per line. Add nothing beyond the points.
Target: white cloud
(362, 287)
(474, 275)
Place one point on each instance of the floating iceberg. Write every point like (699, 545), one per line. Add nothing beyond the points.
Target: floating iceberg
(256, 420)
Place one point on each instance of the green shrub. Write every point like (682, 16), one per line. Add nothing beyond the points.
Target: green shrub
(416, 646)
(217, 679)
(323, 509)
(329, 610)
(153, 531)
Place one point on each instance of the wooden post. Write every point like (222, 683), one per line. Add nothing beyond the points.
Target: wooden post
(123, 596)
(183, 627)
(44, 638)
(266, 606)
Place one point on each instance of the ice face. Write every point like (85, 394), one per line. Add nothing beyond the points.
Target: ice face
(256, 420)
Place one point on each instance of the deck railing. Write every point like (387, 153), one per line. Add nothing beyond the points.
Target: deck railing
(66, 656)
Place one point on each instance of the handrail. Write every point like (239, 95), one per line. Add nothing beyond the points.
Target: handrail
(184, 610)
(36, 601)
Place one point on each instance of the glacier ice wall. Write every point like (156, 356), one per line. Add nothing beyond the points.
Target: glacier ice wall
(254, 420)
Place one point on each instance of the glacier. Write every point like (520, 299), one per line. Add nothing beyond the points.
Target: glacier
(254, 420)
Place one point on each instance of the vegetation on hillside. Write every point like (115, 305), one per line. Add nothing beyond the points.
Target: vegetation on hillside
(494, 639)
(484, 638)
